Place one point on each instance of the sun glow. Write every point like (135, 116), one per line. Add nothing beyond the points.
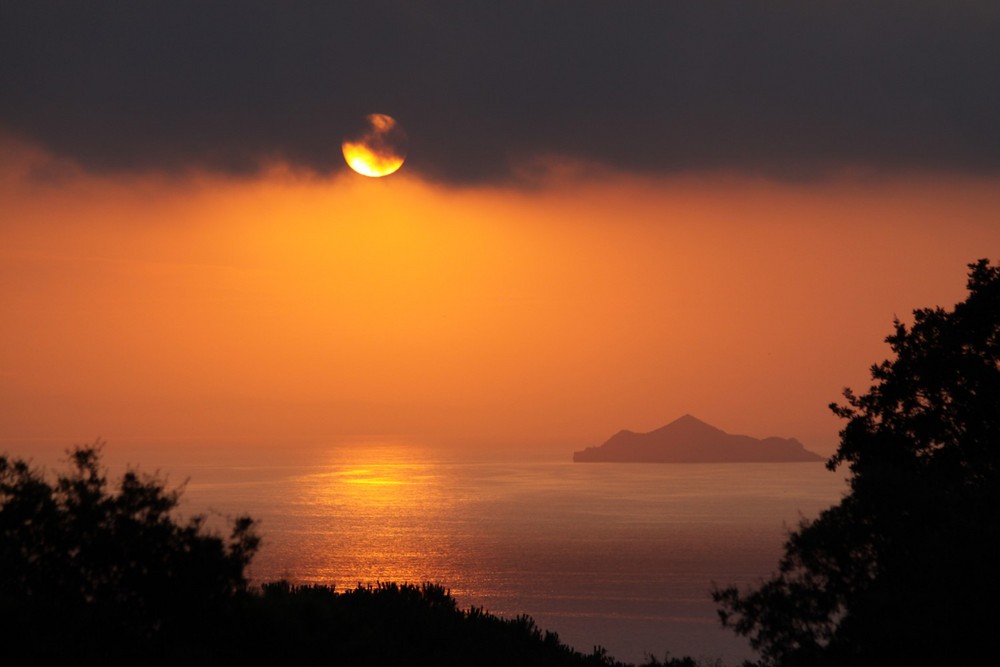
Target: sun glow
(470, 317)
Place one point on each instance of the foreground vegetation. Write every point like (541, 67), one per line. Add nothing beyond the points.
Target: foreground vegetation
(93, 575)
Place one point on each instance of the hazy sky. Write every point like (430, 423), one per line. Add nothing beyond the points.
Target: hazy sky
(613, 213)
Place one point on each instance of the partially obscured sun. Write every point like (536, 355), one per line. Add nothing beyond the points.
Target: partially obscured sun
(378, 148)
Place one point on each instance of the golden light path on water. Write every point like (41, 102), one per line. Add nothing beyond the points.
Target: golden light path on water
(390, 520)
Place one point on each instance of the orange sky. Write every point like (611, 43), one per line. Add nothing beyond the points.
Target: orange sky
(290, 309)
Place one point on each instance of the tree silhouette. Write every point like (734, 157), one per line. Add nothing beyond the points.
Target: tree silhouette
(81, 563)
(904, 570)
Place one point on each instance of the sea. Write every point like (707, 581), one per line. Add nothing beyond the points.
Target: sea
(621, 556)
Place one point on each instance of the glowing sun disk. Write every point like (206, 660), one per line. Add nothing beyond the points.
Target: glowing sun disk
(378, 148)
(362, 160)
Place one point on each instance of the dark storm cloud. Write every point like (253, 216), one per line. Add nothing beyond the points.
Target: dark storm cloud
(780, 88)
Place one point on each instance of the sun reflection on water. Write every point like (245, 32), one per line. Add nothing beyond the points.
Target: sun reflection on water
(375, 513)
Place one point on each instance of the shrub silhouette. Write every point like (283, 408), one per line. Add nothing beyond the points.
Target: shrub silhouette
(81, 563)
(391, 624)
(95, 575)
(905, 569)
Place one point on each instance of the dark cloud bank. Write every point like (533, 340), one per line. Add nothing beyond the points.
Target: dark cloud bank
(780, 88)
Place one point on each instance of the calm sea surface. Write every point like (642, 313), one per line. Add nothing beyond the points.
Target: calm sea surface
(620, 555)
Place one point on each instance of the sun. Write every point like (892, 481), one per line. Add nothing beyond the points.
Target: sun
(378, 148)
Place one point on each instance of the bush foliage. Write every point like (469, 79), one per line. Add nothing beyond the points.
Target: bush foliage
(94, 572)
(904, 570)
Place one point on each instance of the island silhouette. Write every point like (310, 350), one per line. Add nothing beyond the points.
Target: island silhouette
(690, 440)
